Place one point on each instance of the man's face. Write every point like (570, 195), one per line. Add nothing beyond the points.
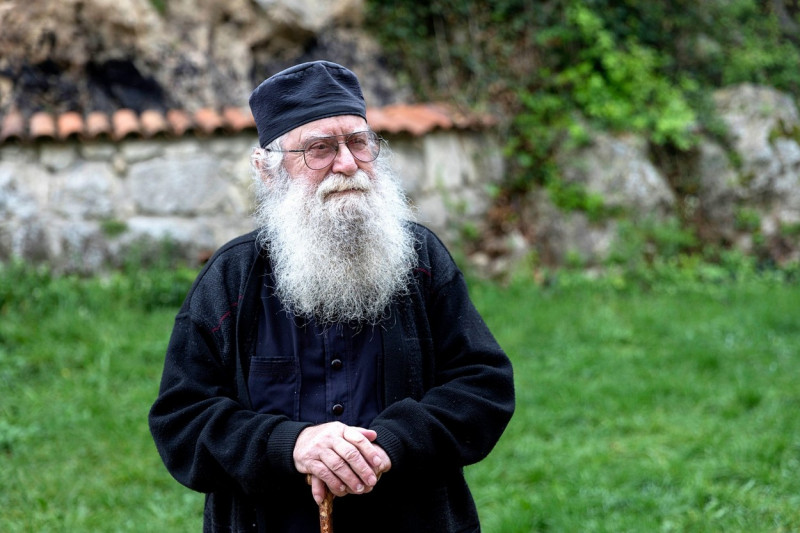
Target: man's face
(343, 163)
(337, 237)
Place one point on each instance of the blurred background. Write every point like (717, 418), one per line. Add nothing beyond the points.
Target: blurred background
(560, 132)
(620, 179)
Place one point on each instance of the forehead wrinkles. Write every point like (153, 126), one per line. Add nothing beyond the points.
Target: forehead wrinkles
(328, 127)
(312, 135)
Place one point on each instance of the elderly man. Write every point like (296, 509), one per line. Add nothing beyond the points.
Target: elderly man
(336, 345)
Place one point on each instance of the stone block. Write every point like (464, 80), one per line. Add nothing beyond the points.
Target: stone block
(17, 153)
(407, 160)
(181, 148)
(98, 151)
(58, 157)
(236, 170)
(83, 247)
(28, 237)
(192, 239)
(485, 158)
(446, 166)
(788, 151)
(139, 150)
(232, 147)
(182, 186)
(618, 169)
(86, 191)
(23, 190)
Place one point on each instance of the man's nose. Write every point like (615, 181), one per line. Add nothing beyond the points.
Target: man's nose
(344, 162)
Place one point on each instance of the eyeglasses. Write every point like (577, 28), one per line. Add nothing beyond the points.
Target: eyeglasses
(319, 152)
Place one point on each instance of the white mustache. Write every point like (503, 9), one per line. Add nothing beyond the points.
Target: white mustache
(341, 183)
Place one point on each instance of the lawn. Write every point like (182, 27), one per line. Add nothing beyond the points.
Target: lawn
(641, 407)
(670, 409)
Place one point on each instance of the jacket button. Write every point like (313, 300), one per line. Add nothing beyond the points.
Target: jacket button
(338, 409)
(336, 364)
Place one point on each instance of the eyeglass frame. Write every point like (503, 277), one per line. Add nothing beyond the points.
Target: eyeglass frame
(378, 141)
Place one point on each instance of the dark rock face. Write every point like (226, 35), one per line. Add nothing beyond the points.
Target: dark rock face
(85, 55)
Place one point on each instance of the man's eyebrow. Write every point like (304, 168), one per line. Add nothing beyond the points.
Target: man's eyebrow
(312, 134)
(317, 134)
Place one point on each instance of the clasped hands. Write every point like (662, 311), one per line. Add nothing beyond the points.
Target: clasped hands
(343, 458)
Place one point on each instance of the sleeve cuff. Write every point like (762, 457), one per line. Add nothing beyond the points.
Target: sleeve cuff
(390, 444)
(280, 446)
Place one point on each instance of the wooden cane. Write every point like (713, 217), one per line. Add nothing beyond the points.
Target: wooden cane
(325, 510)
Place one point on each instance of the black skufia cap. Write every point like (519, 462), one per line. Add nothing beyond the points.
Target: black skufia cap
(302, 94)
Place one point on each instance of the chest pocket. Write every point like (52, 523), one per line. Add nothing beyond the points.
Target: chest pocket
(274, 385)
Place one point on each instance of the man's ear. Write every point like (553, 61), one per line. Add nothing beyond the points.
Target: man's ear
(259, 163)
(261, 167)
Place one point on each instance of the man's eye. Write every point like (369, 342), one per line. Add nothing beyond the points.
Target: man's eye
(319, 147)
(358, 142)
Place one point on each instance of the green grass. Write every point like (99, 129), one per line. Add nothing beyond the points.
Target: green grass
(671, 409)
(80, 362)
(667, 408)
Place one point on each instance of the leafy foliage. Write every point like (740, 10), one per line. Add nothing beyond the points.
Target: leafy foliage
(558, 67)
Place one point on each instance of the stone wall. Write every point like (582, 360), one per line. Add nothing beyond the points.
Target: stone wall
(81, 206)
(740, 192)
(84, 206)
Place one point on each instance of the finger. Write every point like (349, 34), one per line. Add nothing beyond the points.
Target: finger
(370, 434)
(321, 470)
(362, 439)
(311, 443)
(351, 466)
(318, 489)
(324, 452)
(386, 462)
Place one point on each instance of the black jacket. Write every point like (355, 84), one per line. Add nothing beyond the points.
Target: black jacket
(447, 387)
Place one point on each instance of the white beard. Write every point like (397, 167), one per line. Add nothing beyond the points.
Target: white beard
(337, 257)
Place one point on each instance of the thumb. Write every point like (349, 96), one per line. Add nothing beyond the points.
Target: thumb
(370, 434)
(318, 489)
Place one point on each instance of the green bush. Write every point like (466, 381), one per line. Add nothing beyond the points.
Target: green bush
(550, 67)
(28, 288)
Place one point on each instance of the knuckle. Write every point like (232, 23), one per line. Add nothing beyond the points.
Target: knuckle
(319, 470)
(351, 455)
(339, 465)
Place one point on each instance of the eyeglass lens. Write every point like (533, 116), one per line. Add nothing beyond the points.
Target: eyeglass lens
(319, 152)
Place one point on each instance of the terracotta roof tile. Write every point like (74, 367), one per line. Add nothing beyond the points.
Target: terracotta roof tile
(42, 126)
(97, 125)
(426, 118)
(416, 120)
(179, 122)
(377, 118)
(125, 123)
(153, 123)
(238, 119)
(208, 120)
(462, 119)
(70, 125)
(13, 127)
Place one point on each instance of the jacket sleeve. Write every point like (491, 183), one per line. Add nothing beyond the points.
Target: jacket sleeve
(469, 400)
(207, 437)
